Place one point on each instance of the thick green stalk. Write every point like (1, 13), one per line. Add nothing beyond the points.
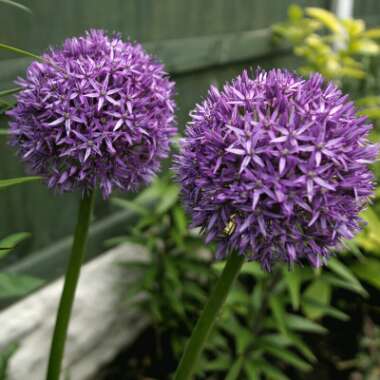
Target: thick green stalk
(207, 319)
(71, 280)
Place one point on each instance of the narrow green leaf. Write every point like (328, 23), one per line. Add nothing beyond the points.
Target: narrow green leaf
(251, 371)
(20, 51)
(17, 5)
(339, 268)
(169, 199)
(4, 132)
(368, 270)
(298, 323)
(236, 368)
(9, 242)
(129, 205)
(288, 357)
(254, 269)
(279, 313)
(17, 285)
(5, 355)
(220, 363)
(16, 181)
(269, 370)
(302, 347)
(10, 91)
(293, 282)
(319, 291)
(324, 309)
(337, 282)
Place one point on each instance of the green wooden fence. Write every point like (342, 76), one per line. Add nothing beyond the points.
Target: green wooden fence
(200, 41)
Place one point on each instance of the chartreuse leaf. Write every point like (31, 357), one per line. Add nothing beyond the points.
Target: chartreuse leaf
(295, 13)
(328, 19)
(16, 181)
(8, 243)
(17, 285)
(320, 292)
(365, 47)
(293, 282)
(271, 372)
(340, 269)
(372, 33)
(236, 368)
(368, 270)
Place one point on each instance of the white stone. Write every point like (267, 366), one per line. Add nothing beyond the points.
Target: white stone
(101, 323)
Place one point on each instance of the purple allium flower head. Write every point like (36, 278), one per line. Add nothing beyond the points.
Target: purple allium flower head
(275, 167)
(96, 112)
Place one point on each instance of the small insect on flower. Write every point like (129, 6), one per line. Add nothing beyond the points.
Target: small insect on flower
(275, 167)
(96, 112)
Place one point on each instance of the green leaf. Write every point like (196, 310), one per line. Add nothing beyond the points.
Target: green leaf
(251, 371)
(17, 285)
(235, 369)
(269, 370)
(278, 311)
(340, 269)
(16, 5)
(288, 357)
(169, 199)
(253, 268)
(8, 243)
(220, 363)
(16, 181)
(302, 347)
(368, 270)
(293, 282)
(319, 291)
(10, 91)
(5, 355)
(298, 323)
(20, 51)
(130, 205)
(324, 309)
(180, 220)
(4, 132)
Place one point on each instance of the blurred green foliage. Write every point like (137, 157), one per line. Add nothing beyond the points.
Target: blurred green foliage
(260, 333)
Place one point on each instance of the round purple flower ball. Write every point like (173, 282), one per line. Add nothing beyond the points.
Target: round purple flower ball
(96, 112)
(275, 167)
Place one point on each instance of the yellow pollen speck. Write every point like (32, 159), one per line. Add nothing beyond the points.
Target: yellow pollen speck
(230, 227)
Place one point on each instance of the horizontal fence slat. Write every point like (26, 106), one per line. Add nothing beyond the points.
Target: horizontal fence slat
(188, 54)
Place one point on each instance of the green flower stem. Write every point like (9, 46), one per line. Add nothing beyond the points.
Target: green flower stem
(71, 280)
(207, 319)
